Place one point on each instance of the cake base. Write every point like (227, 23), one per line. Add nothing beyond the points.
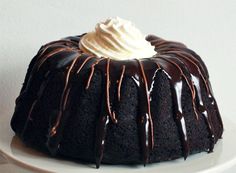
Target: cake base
(17, 153)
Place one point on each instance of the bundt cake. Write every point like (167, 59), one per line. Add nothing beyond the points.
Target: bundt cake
(107, 97)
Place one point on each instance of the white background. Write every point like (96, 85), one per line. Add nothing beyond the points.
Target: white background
(206, 26)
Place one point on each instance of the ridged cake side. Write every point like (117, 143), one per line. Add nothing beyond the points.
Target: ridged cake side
(102, 110)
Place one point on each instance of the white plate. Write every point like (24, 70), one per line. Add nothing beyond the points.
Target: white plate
(223, 157)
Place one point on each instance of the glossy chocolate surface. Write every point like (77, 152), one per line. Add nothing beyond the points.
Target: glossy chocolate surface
(179, 63)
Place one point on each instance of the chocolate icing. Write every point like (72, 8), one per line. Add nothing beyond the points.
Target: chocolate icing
(179, 63)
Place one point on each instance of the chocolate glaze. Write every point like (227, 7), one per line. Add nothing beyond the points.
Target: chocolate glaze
(179, 63)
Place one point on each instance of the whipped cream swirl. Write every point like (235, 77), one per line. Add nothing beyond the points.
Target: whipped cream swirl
(118, 39)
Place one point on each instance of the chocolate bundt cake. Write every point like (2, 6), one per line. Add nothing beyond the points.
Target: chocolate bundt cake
(108, 97)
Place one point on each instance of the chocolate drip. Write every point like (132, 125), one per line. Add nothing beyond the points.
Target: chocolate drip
(197, 79)
(120, 82)
(175, 60)
(175, 75)
(57, 128)
(146, 124)
(105, 115)
(92, 72)
(64, 98)
(100, 134)
(38, 96)
(214, 104)
(110, 87)
(42, 56)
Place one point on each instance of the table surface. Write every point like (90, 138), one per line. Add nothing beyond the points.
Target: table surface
(208, 27)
